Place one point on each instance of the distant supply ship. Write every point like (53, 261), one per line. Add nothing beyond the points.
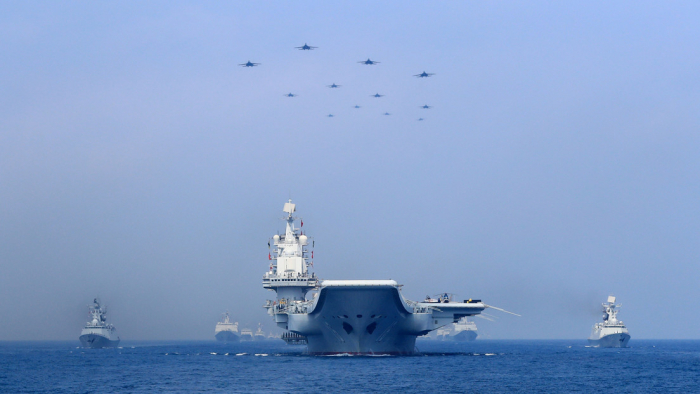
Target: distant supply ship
(611, 332)
(97, 333)
(463, 330)
(226, 331)
(247, 334)
(259, 334)
(348, 316)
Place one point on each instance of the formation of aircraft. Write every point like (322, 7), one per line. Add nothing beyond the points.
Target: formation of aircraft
(306, 47)
(368, 62)
(424, 75)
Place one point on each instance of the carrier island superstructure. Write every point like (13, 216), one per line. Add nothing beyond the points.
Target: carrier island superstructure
(97, 333)
(348, 316)
(611, 332)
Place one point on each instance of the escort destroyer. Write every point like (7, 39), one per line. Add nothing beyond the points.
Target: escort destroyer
(347, 316)
(611, 332)
(97, 333)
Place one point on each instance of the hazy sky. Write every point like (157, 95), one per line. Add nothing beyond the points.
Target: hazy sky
(560, 162)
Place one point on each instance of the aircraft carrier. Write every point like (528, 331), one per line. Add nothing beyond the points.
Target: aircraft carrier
(611, 332)
(348, 316)
(97, 333)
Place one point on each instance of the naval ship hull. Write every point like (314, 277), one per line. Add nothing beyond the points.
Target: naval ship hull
(97, 341)
(363, 319)
(612, 340)
(226, 336)
(356, 320)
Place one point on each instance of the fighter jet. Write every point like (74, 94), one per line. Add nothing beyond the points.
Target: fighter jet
(420, 119)
(426, 106)
(333, 86)
(377, 95)
(330, 115)
(386, 113)
(424, 75)
(290, 95)
(357, 106)
(368, 62)
(305, 47)
(249, 64)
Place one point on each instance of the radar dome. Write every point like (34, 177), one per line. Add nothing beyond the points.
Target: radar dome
(276, 237)
(303, 239)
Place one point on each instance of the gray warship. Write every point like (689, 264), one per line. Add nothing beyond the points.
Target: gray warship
(247, 335)
(225, 330)
(348, 316)
(97, 333)
(259, 334)
(462, 331)
(611, 332)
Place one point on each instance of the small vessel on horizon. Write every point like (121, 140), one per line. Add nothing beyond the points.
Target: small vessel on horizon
(97, 333)
(462, 331)
(226, 331)
(611, 332)
(259, 334)
(247, 334)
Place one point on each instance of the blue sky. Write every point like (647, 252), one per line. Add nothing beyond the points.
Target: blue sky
(558, 164)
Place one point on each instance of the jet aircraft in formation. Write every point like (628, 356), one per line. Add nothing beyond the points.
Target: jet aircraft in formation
(420, 119)
(368, 62)
(424, 75)
(306, 47)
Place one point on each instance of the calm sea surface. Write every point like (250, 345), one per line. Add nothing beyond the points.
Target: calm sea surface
(486, 366)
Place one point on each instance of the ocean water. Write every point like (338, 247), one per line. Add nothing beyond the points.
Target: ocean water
(483, 366)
